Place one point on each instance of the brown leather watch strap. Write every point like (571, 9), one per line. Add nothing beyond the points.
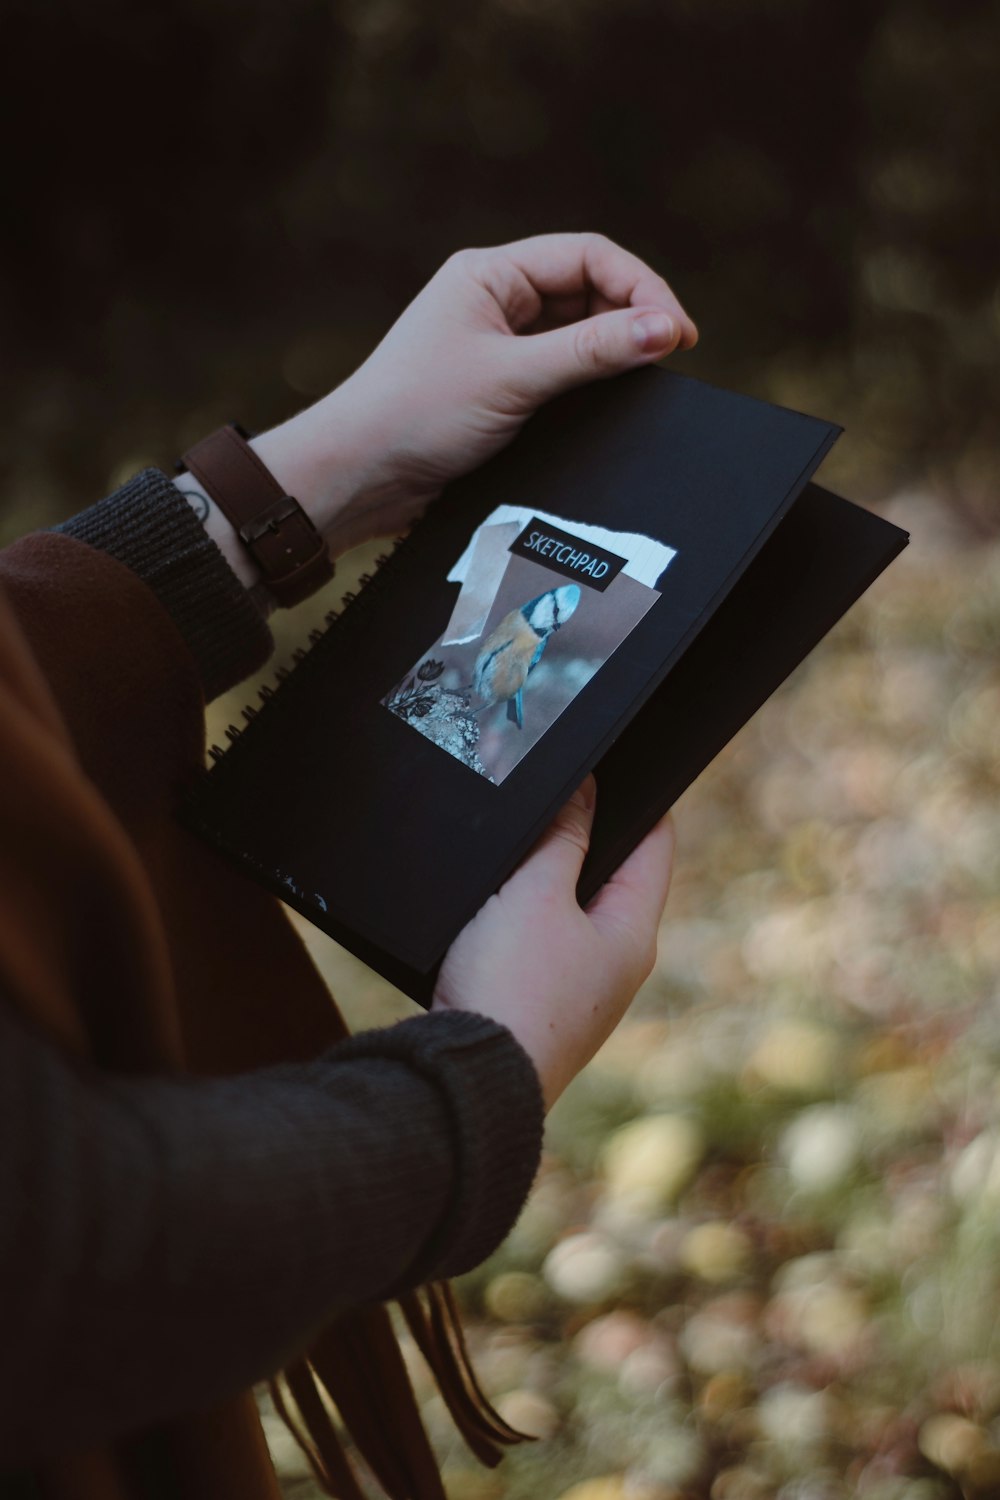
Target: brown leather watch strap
(281, 538)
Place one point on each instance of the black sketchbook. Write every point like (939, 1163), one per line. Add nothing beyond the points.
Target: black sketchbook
(618, 591)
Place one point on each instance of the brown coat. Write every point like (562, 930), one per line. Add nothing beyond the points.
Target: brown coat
(132, 946)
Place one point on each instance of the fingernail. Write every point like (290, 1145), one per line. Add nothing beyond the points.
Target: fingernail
(653, 331)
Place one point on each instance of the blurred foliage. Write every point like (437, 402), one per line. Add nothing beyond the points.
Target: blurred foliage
(216, 208)
(762, 1255)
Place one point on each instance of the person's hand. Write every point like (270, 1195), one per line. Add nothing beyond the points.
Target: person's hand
(561, 978)
(494, 335)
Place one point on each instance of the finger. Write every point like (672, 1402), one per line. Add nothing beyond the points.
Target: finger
(544, 364)
(559, 854)
(631, 902)
(558, 264)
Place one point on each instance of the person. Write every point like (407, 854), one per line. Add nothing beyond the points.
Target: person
(194, 1180)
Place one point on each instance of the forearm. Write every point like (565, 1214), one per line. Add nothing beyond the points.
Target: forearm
(182, 1238)
(179, 543)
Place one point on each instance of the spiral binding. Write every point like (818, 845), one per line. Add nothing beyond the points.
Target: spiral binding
(352, 604)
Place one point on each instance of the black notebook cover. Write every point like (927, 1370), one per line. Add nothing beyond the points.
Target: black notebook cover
(410, 760)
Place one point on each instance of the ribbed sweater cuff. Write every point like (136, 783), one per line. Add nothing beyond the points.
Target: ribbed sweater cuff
(150, 527)
(495, 1101)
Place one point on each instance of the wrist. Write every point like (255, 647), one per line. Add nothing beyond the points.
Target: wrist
(269, 538)
(545, 1057)
(223, 534)
(333, 457)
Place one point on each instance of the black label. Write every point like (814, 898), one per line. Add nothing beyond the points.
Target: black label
(584, 562)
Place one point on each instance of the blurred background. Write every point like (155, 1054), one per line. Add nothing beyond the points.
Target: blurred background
(763, 1255)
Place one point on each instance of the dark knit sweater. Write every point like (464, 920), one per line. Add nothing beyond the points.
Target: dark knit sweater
(149, 1216)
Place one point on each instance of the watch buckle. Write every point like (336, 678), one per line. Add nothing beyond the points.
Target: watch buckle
(269, 519)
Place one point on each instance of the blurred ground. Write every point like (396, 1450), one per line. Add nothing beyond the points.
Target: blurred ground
(762, 1257)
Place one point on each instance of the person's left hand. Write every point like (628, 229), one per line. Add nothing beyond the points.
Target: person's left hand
(493, 335)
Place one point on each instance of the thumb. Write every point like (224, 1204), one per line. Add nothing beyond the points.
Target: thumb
(631, 902)
(560, 852)
(606, 344)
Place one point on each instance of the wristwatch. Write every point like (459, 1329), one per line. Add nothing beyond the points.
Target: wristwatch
(275, 530)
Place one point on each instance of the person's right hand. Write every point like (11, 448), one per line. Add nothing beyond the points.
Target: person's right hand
(493, 335)
(561, 978)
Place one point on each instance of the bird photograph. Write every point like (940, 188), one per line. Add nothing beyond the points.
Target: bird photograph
(490, 696)
(448, 697)
(512, 651)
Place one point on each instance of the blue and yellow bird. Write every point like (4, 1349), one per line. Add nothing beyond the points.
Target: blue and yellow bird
(513, 650)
